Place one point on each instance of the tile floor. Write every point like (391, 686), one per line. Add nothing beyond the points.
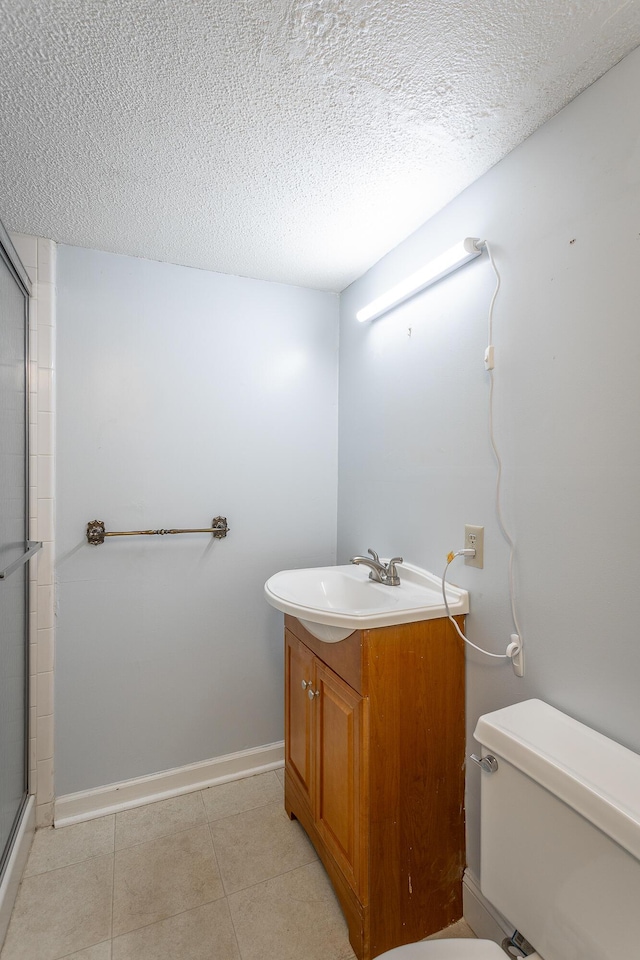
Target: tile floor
(220, 874)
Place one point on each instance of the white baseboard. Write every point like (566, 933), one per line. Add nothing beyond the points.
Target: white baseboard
(482, 916)
(16, 864)
(101, 801)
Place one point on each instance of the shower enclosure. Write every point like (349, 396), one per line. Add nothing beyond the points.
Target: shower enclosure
(15, 548)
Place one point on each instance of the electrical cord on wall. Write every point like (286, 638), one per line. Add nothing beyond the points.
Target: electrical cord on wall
(514, 649)
(452, 556)
(503, 527)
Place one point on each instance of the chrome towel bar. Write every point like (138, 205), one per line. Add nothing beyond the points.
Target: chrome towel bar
(96, 531)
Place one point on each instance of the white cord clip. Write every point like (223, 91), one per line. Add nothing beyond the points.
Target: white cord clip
(515, 651)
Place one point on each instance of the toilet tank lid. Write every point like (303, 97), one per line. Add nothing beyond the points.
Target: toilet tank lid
(596, 776)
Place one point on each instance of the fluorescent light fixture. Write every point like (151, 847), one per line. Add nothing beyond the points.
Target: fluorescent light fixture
(446, 263)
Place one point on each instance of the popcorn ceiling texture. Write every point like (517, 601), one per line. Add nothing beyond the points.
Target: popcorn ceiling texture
(290, 140)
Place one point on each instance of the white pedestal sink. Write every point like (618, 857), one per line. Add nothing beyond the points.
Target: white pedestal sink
(332, 602)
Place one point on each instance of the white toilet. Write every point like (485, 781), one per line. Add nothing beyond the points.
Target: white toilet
(560, 856)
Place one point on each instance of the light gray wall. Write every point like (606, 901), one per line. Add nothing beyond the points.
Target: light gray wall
(182, 394)
(562, 213)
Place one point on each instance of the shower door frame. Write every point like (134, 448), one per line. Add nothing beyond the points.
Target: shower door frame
(11, 260)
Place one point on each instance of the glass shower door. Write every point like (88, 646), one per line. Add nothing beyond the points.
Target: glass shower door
(14, 548)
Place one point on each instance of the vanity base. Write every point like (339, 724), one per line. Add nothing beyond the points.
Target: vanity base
(374, 772)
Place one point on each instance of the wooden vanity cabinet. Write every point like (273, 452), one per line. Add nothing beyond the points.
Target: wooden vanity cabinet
(374, 772)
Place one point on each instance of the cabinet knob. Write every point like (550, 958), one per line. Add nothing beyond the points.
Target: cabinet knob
(305, 683)
(313, 693)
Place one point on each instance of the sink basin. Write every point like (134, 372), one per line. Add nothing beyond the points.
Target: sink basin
(332, 602)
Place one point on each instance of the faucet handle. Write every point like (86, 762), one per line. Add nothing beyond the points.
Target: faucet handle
(374, 555)
(391, 576)
(392, 573)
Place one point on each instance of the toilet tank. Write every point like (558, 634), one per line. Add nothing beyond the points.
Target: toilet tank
(560, 833)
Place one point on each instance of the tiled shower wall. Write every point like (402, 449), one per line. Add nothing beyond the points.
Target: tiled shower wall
(39, 259)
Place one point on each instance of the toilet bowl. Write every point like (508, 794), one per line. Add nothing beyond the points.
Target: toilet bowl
(451, 949)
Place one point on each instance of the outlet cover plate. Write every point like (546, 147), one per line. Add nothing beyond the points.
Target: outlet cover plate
(474, 537)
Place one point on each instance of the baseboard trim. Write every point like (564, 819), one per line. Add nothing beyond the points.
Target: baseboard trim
(482, 916)
(114, 797)
(16, 864)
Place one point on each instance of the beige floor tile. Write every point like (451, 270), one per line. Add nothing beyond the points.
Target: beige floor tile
(459, 930)
(205, 933)
(101, 951)
(164, 877)
(280, 775)
(291, 917)
(228, 799)
(257, 845)
(53, 848)
(159, 819)
(62, 911)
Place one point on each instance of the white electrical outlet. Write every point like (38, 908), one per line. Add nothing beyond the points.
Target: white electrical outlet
(474, 540)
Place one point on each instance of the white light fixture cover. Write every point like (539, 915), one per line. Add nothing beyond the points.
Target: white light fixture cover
(446, 263)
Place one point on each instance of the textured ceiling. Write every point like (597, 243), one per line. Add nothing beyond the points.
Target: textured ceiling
(292, 140)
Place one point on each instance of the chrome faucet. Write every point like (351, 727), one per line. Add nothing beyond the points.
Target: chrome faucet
(380, 572)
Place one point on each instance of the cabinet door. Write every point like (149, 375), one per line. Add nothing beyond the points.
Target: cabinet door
(299, 677)
(339, 783)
